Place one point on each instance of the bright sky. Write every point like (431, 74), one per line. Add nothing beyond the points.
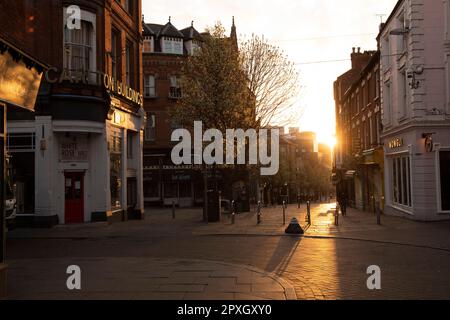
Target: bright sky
(308, 31)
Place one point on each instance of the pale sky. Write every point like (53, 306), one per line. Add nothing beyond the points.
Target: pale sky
(307, 30)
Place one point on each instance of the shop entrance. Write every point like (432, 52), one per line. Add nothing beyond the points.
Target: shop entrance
(74, 203)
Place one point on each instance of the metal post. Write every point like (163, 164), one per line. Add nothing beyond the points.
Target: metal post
(173, 210)
(284, 213)
(299, 201)
(308, 212)
(336, 216)
(233, 214)
(258, 214)
(2, 183)
(378, 209)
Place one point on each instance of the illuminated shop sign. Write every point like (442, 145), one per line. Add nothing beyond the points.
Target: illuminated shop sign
(396, 143)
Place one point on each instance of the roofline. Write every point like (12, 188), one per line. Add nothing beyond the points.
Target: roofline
(390, 18)
(375, 58)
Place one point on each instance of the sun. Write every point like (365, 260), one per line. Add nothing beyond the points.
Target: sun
(331, 142)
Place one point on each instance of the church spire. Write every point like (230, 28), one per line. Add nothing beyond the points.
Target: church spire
(233, 35)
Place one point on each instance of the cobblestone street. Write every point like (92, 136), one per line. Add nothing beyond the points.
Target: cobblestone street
(163, 258)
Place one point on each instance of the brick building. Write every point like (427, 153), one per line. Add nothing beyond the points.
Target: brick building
(359, 165)
(78, 158)
(165, 50)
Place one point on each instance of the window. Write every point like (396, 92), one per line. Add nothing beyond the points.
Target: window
(444, 157)
(148, 44)
(402, 95)
(387, 104)
(115, 53)
(128, 64)
(172, 45)
(149, 86)
(377, 84)
(401, 180)
(175, 91)
(386, 52)
(129, 6)
(78, 48)
(150, 126)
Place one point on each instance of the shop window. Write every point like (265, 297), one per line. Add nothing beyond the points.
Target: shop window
(115, 145)
(401, 181)
(445, 179)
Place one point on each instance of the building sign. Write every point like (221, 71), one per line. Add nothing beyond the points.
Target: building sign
(120, 89)
(396, 143)
(19, 85)
(73, 151)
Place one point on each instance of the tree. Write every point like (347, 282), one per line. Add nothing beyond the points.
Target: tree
(214, 88)
(272, 79)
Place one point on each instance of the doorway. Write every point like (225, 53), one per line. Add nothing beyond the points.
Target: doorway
(74, 197)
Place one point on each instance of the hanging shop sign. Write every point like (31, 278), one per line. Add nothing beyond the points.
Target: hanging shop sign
(19, 82)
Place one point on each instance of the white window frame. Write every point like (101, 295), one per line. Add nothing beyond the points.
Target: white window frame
(146, 132)
(90, 18)
(391, 158)
(438, 148)
(148, 86)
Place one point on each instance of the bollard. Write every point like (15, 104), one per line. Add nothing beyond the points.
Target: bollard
(173, 210)
(336, 216)
(233, 214)
(308, 212)
(258, 215)
(299, 202)
(284, 213)
(378, 209)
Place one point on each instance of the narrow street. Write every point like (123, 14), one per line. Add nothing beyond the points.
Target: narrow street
(162, 258)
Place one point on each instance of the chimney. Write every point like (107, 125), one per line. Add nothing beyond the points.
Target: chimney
(359, 59)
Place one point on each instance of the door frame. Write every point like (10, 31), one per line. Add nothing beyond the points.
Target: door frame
(81, 173)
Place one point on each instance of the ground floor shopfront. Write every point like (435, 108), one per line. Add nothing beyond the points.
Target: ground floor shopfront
(417, 172)
(69, 171)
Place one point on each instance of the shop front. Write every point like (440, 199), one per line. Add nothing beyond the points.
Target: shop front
(20, 78)
(417, 173)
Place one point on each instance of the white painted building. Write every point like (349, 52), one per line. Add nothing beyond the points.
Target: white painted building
(415, 86)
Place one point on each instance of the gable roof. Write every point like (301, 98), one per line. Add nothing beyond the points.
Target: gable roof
(170, 31)
(191, 34)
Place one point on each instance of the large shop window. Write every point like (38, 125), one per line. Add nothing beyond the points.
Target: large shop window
(401, 180)
(115, 146)
(78, 48)
(445, 179)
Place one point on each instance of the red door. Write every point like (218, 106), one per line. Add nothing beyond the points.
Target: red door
(74, 207)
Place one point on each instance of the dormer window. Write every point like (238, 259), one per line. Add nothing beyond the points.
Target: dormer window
(172, 45)
(148, 44)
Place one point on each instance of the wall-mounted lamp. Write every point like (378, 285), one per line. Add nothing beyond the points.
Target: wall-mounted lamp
(429, 146)
(411, 74)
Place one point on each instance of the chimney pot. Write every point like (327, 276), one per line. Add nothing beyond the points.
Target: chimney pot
(359, 49)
